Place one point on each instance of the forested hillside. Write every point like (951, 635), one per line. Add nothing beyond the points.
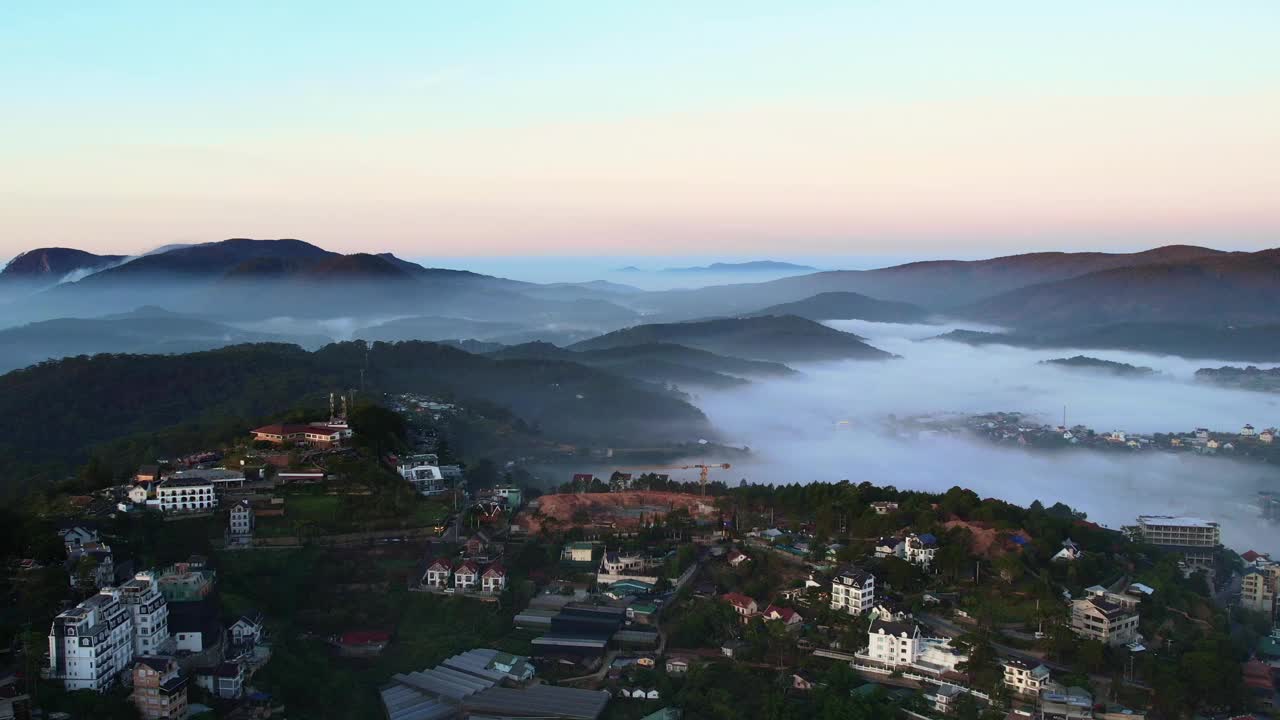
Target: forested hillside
(55, 414)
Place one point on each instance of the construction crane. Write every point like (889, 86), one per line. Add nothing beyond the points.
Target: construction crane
(704, 470)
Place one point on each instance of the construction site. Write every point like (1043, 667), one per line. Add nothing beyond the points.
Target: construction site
(623, 507)
(626, 510)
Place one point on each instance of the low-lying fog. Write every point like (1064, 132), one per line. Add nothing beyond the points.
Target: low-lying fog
(794, 426)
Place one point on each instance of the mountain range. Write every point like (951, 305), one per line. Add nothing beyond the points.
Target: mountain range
(1175, 299)
(941, 286)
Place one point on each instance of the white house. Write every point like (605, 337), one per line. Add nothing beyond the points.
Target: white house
(1247, 431)
(853, 591)
(247, 629)
(75, 537)
(1267, 436)
(884, 507)
(494, 579)
(616, 567)
(737, 557)
(890, 546)
(186, 495)
(425, 477)
(438, 573)
(1025, 678)
(921, 549)
(898, 643)
(138, 495)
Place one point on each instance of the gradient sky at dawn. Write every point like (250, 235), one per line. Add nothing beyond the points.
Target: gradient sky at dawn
(584, 128)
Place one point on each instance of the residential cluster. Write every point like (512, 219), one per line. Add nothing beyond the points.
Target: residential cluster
(156, 632)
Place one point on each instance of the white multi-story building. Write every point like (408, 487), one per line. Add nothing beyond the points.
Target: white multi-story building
(1177, 531)
(1025, 678)
(899, 643)
(242, 520)
(1195, 538)
(853, 591)
(1259, 587)
(423, 474)
(186, 495)
(92, 643)
(150, 613)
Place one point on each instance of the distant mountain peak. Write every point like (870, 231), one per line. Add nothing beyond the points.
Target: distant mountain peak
(53, 264)
(748, 266)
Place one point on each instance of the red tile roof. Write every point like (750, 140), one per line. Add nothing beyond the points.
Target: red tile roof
(364, 637)
(784, 613)
(496, 569)
(1251, 555)
(738, 600)
(444, 563)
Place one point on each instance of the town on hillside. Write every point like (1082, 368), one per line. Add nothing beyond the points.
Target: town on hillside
(366, 565)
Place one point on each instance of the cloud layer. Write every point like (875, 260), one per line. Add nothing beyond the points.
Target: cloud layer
(795, 428)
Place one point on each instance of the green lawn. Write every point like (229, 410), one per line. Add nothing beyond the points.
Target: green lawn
(327, 514)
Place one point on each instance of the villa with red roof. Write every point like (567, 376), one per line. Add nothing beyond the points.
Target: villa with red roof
(319, 433)
(788, 616)
(743, 605)
(494, 579)
(438, 573)
(467, 576)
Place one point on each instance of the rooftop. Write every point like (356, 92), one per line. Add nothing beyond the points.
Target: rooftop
(181, 482)
(1175, 521)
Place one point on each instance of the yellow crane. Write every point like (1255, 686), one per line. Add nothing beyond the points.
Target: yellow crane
(704, 470)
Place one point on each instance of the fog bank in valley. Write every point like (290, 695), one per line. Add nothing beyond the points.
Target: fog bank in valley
(829, 424)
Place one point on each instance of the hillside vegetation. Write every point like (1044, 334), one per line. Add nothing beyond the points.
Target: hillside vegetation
(56, 413)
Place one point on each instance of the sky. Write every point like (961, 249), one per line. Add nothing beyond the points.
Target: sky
(717, 129)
